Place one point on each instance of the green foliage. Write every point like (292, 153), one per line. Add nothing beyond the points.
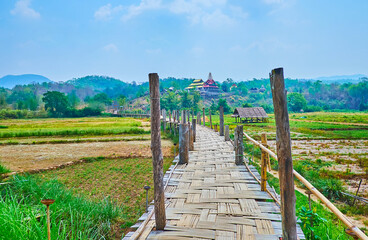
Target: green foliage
(247, 105)
(17, 114)
(3, 169)
(22, 216)
(185, 100)
(310, 220)
(169, 101)
(56, 103)
(296, 102)
(222, 102)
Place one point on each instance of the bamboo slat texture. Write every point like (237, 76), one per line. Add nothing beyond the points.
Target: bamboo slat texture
(212, 198)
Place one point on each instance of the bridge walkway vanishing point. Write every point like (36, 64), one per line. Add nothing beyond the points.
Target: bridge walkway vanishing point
(212, 198)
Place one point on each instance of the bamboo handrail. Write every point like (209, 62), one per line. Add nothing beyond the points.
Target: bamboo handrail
(318, 194)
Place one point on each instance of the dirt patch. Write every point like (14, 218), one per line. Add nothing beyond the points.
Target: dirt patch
(30, 157)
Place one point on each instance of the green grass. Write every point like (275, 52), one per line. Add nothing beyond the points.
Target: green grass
(22, 216)
(3, 169)
(120, 179)
(343, 117)
(70, 127)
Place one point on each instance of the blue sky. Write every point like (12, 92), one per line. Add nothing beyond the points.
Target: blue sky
(126, 39)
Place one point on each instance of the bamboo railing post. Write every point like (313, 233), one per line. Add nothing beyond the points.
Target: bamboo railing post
(183, 143)
(210, 117)
(194, 129)
(239, 145)
(221, 121)
(198, 118)
(227, 133)
(157, 159)
(283, 143)
(264, 163)
(170, 124)
(204, 118)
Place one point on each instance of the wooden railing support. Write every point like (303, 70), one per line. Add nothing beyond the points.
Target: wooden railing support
(204, 118)
(183, 143)
(157, 159)
(283, 143)
(239, 149)
(227, 133)
(191, 138)
(194, 127)
(164, 119)
(209, 110)
(264, 163)
(221, 121)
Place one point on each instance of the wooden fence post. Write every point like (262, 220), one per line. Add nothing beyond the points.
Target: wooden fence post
(164, 119)
(264, 163)
(215, 126)
(198, 118)
(204, 118)
(283, 143)
(188, 116)
(239, 151)
(221, 121)
(157, 159)
(191, 138)
(183, 143)
(194, 129)
(210, 117)
(227, 133)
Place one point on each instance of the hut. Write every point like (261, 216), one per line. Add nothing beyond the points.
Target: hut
(250, 115)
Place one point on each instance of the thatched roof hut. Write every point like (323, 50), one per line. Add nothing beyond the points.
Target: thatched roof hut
(255, 114)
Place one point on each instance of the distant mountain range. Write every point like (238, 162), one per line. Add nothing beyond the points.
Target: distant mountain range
(10, 81)
(355, 78)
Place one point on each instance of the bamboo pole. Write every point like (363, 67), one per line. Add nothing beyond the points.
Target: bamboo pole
(157, 159)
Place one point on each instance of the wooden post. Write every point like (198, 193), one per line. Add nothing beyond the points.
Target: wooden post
(191, 138)
(188, 116)
(183, 143)
(164, 119)
(221, 121)
(183, 116)
(157, 159)
(210, 117)
(283, 143)
(239, 151)
(204, 118)
(215, 126)
(199, 118)
(227, 133)
(194, 129)
(170, 124)
(235, 138)
(264, 163)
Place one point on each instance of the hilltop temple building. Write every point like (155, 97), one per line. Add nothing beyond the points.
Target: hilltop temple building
(206, 89)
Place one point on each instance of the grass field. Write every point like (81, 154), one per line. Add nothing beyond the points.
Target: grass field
(69, 127)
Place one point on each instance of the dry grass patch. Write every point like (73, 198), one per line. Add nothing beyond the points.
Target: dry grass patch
(30, 157)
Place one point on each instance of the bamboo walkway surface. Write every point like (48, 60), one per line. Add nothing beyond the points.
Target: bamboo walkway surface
(212, 198)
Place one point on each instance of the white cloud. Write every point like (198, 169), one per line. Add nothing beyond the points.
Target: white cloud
(216, 19)
(106, 12)
(23, 9)
(134, 10)
(110, 48)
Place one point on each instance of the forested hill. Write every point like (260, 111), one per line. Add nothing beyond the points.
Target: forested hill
(10, 81)
(312, 95)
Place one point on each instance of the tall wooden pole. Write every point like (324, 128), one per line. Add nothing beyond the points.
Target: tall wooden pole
(204, 118)
(239, 149)
(194, 129)
(283, 143)
(227, 133)
(221, 121)
(157, 159)
(183, 143)
(210, 117)
(264, 163)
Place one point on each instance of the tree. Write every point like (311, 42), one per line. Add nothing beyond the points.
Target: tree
(55, 102)
(169, 101)
(101, 98)
(73, 99)
(185, 100)
(247, 105)
(296, 102)
(223, 102)
(195, 101)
